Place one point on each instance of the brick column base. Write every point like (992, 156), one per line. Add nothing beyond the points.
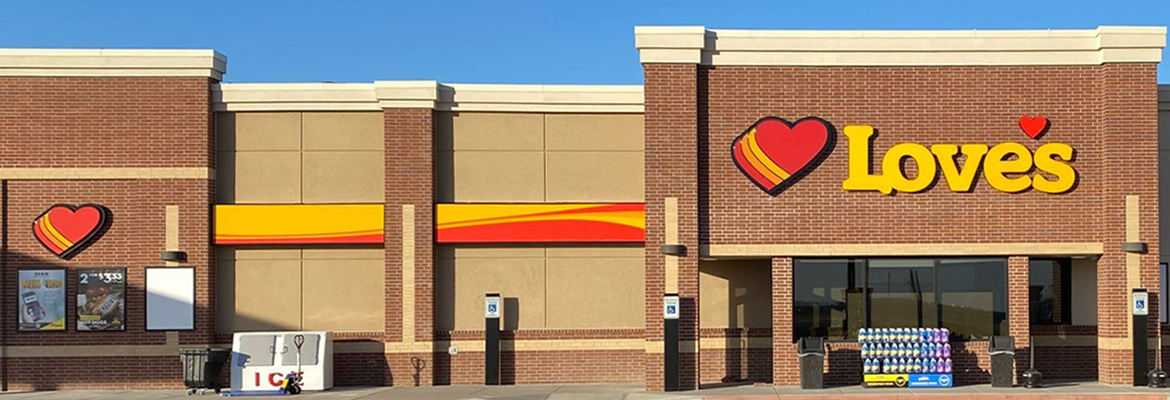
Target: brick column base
(1019, 318)
(785, 363)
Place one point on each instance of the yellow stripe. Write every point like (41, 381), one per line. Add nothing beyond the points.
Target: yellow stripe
(751, 158)
(628, 218)
(40, 227)
(458, 213)
(755, 147)
(329, 235)
(298, 220)
(54, 235)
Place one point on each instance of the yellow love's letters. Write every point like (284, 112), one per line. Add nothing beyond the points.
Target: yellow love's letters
(1005, 166)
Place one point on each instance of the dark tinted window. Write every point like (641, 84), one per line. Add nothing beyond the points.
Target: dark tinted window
(834, 298)
(973, 297)
(1050, 291)
(902, 293)
(827, 298)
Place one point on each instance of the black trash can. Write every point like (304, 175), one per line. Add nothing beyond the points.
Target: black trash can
(812, 362)
(201, 368)
(1003, 357)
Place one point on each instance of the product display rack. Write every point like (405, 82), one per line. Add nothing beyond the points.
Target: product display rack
(906, 357)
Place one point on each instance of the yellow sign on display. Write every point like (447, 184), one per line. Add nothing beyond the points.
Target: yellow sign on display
(243, 224)
(886, 380)
(1006, 166)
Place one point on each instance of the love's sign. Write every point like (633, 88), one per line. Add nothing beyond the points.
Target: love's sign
(774, 153)
(65, 229)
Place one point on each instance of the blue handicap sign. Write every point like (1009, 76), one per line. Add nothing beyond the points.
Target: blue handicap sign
(1141, 304)
(491, 308)
(670, 310)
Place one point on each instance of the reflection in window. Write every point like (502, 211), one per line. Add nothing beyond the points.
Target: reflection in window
(827, 298)
(1050, 291)
(902, 293)
(973, 297)
(966, 295)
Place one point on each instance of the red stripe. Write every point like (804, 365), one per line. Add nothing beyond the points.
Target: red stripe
(44, 239)
(746, 166)
(542, 231)
(335, 240)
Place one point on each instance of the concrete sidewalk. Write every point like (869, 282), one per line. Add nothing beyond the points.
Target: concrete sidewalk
(1080, 391)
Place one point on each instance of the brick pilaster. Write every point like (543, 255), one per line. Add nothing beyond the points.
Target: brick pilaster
(672, 172)
(1129, 132)
(410, 176)
(1019, 324)
(785, 365)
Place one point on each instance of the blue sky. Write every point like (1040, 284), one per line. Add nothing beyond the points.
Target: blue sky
(587, 42)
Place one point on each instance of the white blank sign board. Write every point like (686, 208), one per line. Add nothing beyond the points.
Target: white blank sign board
(170, 299)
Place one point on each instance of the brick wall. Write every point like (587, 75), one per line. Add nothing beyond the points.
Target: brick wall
(102, 123)
(671, 172)
(1127, 119)
(410, 180)
(1089, 107)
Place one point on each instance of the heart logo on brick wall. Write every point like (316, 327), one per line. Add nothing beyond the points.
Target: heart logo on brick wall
(774, 153)
(65, 230)
(1034, 126)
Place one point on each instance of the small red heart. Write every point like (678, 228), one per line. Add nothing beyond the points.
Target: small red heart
(773, 153)
(63, 229)
(1034, 126)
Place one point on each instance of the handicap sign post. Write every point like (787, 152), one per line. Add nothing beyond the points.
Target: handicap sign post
(491, 315)
(1140, 305)
(670, 312)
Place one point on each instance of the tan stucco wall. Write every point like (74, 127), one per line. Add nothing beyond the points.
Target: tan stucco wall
(534, 157)
(300, 157)
(542, 287)
(735, 294)
(265, 289)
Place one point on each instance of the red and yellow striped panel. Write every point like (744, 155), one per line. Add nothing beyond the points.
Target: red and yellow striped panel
(540, 223)
(298, 223)
(748, 154)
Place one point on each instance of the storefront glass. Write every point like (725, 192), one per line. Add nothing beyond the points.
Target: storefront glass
(1050, 291)
(966, 295)
(902, 293)
(973, 297)
(827, 301)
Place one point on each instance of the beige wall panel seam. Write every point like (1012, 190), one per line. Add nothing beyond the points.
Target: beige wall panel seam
(408, 285)
(107, 173)
(899, 249)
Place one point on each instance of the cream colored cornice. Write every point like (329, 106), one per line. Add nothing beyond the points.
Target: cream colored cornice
(697, 45)
(293, 97)
(427, 94)
(115, 62)
(406, 94)
(541, 98)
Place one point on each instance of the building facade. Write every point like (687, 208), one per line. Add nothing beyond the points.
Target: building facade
(997, 183)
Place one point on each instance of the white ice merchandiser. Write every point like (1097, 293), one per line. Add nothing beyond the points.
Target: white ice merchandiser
(261, 359)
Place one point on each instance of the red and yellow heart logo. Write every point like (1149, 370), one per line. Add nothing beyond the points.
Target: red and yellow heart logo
(1034, 126)
(774, 153)
(64, 229)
